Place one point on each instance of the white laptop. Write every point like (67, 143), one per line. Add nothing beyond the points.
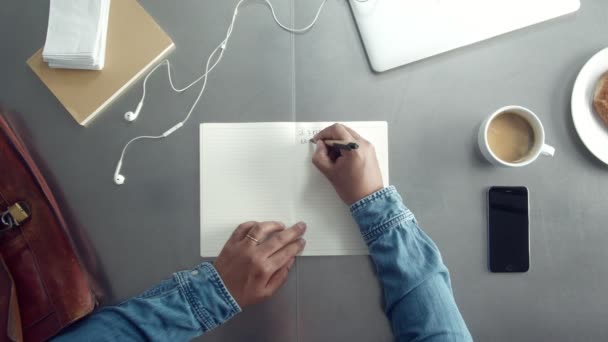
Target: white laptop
(398, 32)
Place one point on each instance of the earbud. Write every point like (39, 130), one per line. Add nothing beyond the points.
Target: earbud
(131, 116)
(118, 178)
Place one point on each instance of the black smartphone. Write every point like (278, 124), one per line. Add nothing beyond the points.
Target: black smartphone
(509, 231)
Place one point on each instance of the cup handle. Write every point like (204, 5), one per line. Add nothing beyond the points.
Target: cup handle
(547, 150)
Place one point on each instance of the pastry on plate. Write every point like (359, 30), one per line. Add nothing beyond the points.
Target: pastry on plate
(600, 100)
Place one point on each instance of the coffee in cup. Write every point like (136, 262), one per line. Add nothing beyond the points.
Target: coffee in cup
(513, 136)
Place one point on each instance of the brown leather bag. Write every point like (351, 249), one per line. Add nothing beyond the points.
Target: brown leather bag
(53, 288)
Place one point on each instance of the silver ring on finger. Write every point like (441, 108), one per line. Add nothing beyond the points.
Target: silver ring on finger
(252, 239)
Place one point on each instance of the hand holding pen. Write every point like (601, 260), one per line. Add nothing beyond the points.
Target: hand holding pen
(354, 170)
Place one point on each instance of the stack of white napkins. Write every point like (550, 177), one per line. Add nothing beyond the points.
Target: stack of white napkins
(76, 35)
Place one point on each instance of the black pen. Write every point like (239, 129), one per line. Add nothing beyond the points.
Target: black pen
(339, 144)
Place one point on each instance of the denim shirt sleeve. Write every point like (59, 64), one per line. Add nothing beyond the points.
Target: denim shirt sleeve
(416, 284)
(178, 309)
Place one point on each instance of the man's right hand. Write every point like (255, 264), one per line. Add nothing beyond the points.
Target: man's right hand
(354, 174)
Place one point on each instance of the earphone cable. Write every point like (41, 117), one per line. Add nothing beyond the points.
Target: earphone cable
(208, 68)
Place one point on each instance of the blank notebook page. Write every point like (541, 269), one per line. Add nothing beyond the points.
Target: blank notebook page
(263, 172)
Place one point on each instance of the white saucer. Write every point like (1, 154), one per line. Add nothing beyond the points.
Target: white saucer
(590, 128)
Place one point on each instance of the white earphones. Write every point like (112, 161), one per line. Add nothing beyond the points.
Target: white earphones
(131, 116)
(118, 178)
(219, 52)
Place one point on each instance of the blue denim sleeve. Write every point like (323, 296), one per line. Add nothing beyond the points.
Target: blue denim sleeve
(416, 284)
(178, 309)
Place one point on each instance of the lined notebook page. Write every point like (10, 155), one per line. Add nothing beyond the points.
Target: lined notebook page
(263, 171)
(245, 176)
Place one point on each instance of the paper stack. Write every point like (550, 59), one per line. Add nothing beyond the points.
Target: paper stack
(76, 34)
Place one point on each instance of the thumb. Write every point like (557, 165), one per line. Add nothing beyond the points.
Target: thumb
(321, 158)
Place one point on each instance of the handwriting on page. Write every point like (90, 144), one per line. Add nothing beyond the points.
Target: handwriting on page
(305, 134)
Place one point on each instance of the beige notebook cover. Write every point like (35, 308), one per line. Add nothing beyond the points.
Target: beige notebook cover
(135, 43)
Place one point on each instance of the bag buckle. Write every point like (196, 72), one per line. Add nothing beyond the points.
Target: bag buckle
(15, 215)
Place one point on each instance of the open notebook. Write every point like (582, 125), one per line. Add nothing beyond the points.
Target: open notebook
(263, 172)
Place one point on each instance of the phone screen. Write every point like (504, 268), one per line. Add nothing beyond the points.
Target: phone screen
(509, 235)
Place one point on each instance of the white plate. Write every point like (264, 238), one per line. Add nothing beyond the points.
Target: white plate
(590, 128)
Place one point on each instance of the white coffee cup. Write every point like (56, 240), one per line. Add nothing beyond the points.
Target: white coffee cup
(539, 147)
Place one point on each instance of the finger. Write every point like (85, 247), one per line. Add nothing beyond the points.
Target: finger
(282, 239)
(290, 263)
(240, 231)
(352, 132)
(333, 132)
(283, 255)
(321, 158)
(335, 153)
(279, 278)
(262, 230)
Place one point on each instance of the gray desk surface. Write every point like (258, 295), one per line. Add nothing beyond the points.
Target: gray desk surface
(148, 228)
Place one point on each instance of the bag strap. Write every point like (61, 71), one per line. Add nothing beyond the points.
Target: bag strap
(10, 306)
